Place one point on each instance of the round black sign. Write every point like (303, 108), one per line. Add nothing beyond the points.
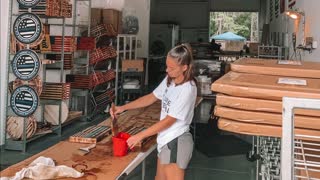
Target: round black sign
(26, 64)
(28, 3)
(24, 101)
(27, 28)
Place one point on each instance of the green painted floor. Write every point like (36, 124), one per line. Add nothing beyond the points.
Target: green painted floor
(216, 167)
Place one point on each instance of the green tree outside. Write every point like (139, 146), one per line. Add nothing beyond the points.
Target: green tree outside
(236, 22)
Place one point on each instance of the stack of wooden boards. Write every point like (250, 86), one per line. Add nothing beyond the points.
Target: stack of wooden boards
(90, 81)
(56, 91)
(91, 134)
(249, 99)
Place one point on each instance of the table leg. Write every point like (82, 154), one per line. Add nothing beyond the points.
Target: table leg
(143, 169)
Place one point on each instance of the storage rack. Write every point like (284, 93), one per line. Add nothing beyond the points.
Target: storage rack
(273, 160)
(81, 60)
(298, 155)
(132, 91)
(272, 52)
(126, 49)
(21, 145)
(95, 102)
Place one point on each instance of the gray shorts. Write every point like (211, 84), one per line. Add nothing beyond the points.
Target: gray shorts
(178, 151)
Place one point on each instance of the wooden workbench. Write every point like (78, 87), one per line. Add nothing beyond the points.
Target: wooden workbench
(100, 162)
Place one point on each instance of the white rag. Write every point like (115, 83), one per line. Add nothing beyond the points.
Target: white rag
(44, 168)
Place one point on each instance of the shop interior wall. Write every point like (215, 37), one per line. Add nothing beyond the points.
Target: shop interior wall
(235, 5)
(285, 25)
(193, 15)
(140, 9)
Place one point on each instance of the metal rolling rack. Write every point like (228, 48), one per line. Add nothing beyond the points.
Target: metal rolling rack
(272, 52)
(294, 159)
(21, 145)
(92, 108)
(266, 152)
(299, 159)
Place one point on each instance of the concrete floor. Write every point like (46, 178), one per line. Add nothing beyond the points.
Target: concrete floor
(203, 168)
(233, 167)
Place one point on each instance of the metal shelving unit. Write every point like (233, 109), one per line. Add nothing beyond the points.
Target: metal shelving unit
(82, 60)
(126, 49)
(272, 52)
(21, 145)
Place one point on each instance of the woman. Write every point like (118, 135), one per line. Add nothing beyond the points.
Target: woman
(178, 93)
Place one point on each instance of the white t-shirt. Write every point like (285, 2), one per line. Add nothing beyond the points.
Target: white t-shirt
(177, 102)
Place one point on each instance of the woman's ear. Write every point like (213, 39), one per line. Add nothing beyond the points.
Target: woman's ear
(184, 67)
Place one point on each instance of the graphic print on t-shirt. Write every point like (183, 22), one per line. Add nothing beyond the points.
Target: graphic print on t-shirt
(166, 102)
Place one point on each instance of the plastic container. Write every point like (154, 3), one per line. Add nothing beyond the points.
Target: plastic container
(120, 146)
(204, 85)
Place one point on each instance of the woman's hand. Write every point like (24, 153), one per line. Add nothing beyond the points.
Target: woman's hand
(134, 140)
(116, 110)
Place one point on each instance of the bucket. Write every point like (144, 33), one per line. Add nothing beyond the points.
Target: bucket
(120, 146)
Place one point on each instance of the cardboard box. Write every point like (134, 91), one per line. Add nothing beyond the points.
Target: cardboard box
(261, 129)
(264, 87)
(275, 67)
(135, 65)
(113, 17)
(96, 16)
(261, 105)
(307, 122)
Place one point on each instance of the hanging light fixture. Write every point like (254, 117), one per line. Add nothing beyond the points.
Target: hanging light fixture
(294, 14)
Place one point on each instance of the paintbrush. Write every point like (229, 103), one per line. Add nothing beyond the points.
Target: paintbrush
(114, 123)
(85, 150)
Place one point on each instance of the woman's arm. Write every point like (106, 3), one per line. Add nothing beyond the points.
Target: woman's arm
(138, 103)
(154, 129)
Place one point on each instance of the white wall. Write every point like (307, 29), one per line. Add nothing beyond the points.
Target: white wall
(188, 15)
(4, 13)
(140, 9)
(310, 7)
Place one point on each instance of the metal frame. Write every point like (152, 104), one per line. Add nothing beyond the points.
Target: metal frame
(74, 21)
(281, 52)
(134, 163)
(87, 93)
(287, 149)
(22, 144)
(122, 54)
(4, 101)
